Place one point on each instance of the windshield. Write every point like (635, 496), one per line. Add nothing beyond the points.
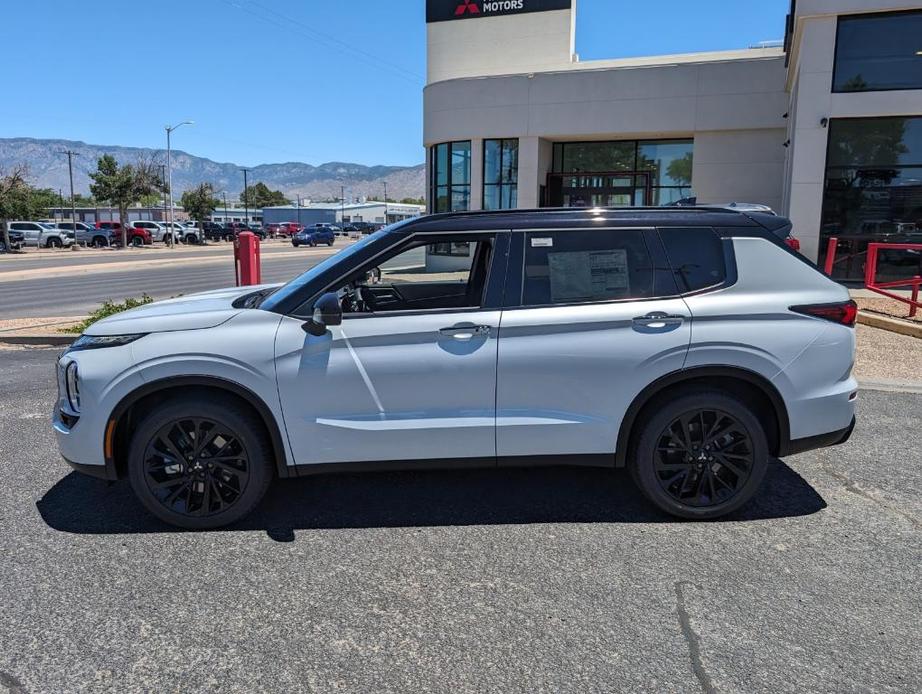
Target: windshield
(298, 282)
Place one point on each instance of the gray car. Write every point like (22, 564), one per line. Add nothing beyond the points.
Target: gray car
(691, 346)
(43, 234)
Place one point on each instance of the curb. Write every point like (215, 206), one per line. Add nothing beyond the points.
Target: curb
(894, 325)
(36, 339)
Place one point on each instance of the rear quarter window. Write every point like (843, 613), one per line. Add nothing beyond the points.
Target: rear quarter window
(696, 255)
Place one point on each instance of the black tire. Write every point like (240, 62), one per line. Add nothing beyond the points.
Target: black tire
(691, 476)
(230, 489)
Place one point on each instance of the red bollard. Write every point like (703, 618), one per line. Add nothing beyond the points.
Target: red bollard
(247, 260)
(831, 255)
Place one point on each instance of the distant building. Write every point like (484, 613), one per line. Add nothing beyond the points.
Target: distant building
(371, 211)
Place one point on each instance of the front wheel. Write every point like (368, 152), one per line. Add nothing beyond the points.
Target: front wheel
(199, 464)
(701, 456)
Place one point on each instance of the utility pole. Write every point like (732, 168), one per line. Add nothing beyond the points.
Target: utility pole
(169, 165)
(246, 202)
(73, 204)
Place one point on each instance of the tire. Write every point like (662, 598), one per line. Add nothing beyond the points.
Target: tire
(54, 242)
(692, 476)
(229, 490)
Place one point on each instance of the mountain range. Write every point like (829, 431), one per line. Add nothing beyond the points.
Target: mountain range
(47, 168)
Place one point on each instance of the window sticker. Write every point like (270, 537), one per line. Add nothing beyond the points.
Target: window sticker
(542, 243)
(588, 275)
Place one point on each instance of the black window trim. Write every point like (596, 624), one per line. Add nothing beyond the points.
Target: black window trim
(835, 55)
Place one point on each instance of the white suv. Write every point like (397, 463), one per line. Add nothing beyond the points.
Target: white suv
(689, 345)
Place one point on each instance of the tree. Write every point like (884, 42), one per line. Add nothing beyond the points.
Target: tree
(19, 200)
(258, 196)
(120, 186)
(200, 203)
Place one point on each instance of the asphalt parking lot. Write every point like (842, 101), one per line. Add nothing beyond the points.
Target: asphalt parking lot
(512, 581)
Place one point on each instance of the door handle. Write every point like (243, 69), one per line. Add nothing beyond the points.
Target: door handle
(465, 332)
(658, 319)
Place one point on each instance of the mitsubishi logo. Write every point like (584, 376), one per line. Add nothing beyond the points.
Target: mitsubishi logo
(465, 7)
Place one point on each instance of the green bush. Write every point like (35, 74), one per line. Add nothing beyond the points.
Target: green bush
(109, 308)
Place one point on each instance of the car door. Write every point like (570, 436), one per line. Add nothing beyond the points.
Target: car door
(410, 374)
(597, 320)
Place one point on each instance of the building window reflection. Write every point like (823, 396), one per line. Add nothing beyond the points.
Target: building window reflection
(873, 192)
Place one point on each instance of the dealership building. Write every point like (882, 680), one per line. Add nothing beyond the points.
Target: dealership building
(826, 129)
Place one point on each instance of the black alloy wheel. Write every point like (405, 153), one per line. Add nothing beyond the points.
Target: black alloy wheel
(700, 454)
(196, 467)
(703, 458)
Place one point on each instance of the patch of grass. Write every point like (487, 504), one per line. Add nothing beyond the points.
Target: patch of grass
(109, 308)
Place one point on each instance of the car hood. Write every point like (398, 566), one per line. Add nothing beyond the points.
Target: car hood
(193, 312)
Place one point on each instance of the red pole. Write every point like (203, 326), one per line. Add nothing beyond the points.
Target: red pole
(914, 306)
(831, 255)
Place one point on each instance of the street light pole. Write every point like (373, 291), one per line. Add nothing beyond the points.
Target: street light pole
(169, 166)
(246, 202)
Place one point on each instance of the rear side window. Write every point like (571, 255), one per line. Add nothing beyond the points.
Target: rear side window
(570, 267)
(697, 257)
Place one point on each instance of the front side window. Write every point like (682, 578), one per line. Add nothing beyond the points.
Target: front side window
(500, 174)
(879, 52)
(574, 267)
(450, 187)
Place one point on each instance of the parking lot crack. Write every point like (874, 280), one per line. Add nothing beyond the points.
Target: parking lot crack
(872, 496)
(691, 638)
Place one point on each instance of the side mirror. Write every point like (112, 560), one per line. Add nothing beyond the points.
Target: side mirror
(327, 312)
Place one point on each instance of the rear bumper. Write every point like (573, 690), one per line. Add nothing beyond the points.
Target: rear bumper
(811, 443)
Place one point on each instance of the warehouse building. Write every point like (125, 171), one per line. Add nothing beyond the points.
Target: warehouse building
(826, 129)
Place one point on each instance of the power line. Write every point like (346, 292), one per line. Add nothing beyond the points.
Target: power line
(286, 22)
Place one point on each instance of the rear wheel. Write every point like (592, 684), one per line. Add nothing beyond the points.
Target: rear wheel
(199, 464)
(701, 456)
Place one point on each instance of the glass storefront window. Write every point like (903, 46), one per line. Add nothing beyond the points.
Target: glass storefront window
(450, 185)
(879, 52)
(500, 174)
(873, 192)
(663, 171)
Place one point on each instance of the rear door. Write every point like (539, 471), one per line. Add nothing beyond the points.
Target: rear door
(597, 320)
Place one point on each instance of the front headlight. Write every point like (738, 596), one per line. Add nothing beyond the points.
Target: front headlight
(72, 387)
(100, 341)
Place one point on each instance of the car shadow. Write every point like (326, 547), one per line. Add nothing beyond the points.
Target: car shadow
(80, 504)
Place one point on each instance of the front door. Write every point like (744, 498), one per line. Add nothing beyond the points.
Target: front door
(411, 372)
(589, 335)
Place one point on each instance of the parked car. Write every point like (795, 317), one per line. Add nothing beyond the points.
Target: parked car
(17, 241)
(89, 235)
(237, 227)
(136, 237)
(42, 234)
(392, 351)
(288, 229)
(314, 237)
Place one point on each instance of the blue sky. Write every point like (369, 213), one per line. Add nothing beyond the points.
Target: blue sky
(285, 80)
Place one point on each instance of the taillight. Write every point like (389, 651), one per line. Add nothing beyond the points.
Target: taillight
(845, 313)
(793, 243)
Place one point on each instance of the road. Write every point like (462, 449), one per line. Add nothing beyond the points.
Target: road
(89, 282)
(490, 581)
